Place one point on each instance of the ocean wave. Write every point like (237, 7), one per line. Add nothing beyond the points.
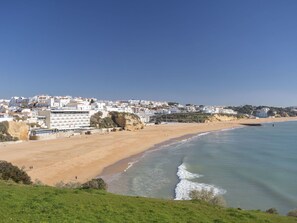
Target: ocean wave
(130, 164)
(185, 185)
(184, 174)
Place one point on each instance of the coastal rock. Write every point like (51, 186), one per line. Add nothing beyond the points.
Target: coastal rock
(19, 130)
(127, 121)
(222, 118)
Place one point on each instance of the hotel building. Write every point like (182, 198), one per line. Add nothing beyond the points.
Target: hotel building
(66, 119)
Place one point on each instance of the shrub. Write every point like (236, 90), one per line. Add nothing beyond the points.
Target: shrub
(69, 185)
(208, 196)
(98, 184)
(6, 138)
(292, 213)
(38, 182)
(3, 127)
(271, 211)
(72, 185)
(60, 184)
(9, 171)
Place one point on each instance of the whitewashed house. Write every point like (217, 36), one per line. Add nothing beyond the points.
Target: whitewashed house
(262, 113)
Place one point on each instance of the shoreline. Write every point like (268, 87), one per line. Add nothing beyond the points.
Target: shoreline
(110, 172)
(121, 166)
(91, 156)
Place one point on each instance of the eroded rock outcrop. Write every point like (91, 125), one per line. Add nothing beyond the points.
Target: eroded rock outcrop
(222, 118)
(19, 130)
(127, 121)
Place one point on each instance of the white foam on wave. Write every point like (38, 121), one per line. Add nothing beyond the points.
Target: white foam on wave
(185, 186)
(130, 164)
(230, 129)
(183, 173)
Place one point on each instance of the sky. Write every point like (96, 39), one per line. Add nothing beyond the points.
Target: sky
(214, 52)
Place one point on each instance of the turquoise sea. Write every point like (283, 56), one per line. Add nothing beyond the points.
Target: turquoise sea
(252, 167)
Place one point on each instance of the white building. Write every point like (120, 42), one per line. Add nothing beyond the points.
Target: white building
(210, 110)
(100, 106)
(5, 117)
(18, 102)
(60, 101)
(262, 113)
(41, 101)
(3, 108)
(66, 119)
(227, 111)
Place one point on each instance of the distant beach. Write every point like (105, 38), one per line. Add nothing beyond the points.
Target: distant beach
(85, 157)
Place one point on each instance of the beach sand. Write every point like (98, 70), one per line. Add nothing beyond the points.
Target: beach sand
(85, 157)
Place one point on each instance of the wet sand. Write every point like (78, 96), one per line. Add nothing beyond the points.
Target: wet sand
(87, 156)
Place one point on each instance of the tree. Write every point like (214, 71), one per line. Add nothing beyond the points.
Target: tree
(96, 119)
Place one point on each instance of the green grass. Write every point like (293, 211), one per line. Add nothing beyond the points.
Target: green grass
(21, 203)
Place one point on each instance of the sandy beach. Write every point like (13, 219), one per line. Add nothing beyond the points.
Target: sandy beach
(87, 156)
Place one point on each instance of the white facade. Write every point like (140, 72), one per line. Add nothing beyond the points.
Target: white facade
(66, 119)
(98, 106)
(41, 100)
(5, 117)
(228, 111)
(262, 113)
(18, 101)
(59, 102)
(210, 110)
(145, 118)
(3, 108)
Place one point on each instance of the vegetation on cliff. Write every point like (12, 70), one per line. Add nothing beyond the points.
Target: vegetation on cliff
(98, 122)
(274, 111)
(26, 203)
(182, 117)
(127, 121)
(193, 117)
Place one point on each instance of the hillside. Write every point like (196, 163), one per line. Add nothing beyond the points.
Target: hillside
(20, 203)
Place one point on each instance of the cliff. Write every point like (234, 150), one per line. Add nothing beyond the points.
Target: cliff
(19, 130)
(127, 121)
(221, 118)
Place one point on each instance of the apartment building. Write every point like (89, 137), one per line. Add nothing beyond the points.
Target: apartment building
(66, 119)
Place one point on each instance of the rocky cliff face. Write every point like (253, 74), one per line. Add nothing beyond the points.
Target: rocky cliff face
(19, 130)
(127, 121)
(221, 118)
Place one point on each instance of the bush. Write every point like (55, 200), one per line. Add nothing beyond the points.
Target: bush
(6, 138)
(69, 185)
(208, 196)
(292, 213)
(9, 171)
(98, 184)
(271, 211)
(3, 127)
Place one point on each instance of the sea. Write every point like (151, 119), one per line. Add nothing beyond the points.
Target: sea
(251, 167)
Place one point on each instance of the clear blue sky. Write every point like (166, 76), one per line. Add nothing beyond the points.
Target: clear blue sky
(194, 51)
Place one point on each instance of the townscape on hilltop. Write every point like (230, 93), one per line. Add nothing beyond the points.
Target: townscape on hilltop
(48, 116)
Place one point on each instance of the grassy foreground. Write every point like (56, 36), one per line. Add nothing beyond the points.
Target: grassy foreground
(21, 203)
